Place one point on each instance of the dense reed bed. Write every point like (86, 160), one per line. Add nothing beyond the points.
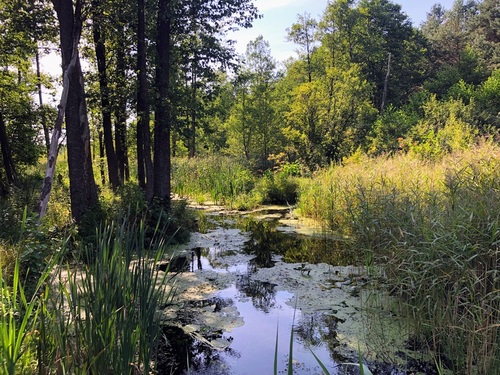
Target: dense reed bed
(230, 182)
(102, 316)
(435, 226)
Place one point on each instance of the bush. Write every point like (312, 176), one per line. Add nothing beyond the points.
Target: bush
(277, 188)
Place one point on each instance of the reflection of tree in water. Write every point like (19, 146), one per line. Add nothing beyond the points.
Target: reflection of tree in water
(265, 241)
(321, 249)
(263, 294)
(175, 347)
(319, 329)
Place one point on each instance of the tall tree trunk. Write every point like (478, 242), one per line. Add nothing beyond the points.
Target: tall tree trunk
(162, 160)
(100, 52)
(102, 155)
(192, 140)
(121, 110)
(144, 161)
(83, 189)
(8, 162)
(50, 169)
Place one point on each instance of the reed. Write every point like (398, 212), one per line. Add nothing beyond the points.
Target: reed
(215, 178)
(436, 228)
(108, 316)
(101, 317)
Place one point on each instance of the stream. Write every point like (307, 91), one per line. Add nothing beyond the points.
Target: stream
(251, 280)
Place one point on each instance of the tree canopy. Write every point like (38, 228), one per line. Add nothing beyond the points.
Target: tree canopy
(162, 79)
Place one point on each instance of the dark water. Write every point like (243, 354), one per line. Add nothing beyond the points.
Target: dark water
(268, 319)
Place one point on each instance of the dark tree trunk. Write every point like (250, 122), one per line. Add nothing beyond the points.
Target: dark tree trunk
(192, 140)
(121, 111)
(100, 52)
(83, 189)
(8, 162)
(102, 155)
(144, 161)
(162, 114)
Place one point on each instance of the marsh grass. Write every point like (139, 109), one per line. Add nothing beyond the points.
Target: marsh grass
(230, 182)
(108, 314)
(18, 319)
(436, 228)
(102, 316)
(213, 178)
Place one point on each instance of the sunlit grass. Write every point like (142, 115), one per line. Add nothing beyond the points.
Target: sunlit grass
(101, 315)
(213, 178)
(436, 228)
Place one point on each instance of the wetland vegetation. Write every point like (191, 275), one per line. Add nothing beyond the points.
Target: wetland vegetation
(174, 186)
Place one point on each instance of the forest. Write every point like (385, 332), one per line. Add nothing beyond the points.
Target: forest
(381, 131)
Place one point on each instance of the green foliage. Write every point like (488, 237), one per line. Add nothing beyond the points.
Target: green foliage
(389, 131)
(434, 226)
(446, 127)
(18, 321)
(487, 99)
(102, 315)
(217, 178)
(122, 292)
(277, 188)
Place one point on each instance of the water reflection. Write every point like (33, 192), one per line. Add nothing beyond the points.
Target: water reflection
(262, 294)
(261, 306)
(266, 240)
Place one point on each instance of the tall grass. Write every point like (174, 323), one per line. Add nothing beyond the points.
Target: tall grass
(436, 228)
(18, 323)
(230, 182)
(101, 317)
(216, 178)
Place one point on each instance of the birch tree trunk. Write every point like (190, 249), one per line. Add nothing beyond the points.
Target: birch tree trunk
(50, 168)
(73, 109)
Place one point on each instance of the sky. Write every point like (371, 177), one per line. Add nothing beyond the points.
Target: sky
(281, 14)
(278, 15)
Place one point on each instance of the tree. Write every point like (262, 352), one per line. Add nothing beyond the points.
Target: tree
(303, 33)
(83, 190)
(102, 62)
(200, 31)
(176, 22)
(144, 161)
(253, 123)
(22, 26)
(365, 34)
(485, 33)
(162, 126)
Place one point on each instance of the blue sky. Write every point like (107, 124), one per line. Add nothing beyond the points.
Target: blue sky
(281, 14)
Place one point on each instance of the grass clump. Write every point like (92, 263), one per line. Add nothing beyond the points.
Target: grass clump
(101, 316)
(230, 182)
(436, 228)
(216, 178)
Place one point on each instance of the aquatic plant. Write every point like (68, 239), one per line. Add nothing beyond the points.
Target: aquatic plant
(108, 315)
(216, 178)
(436, 228)
(104, 314)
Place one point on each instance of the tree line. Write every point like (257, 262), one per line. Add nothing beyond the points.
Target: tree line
(164, 80)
